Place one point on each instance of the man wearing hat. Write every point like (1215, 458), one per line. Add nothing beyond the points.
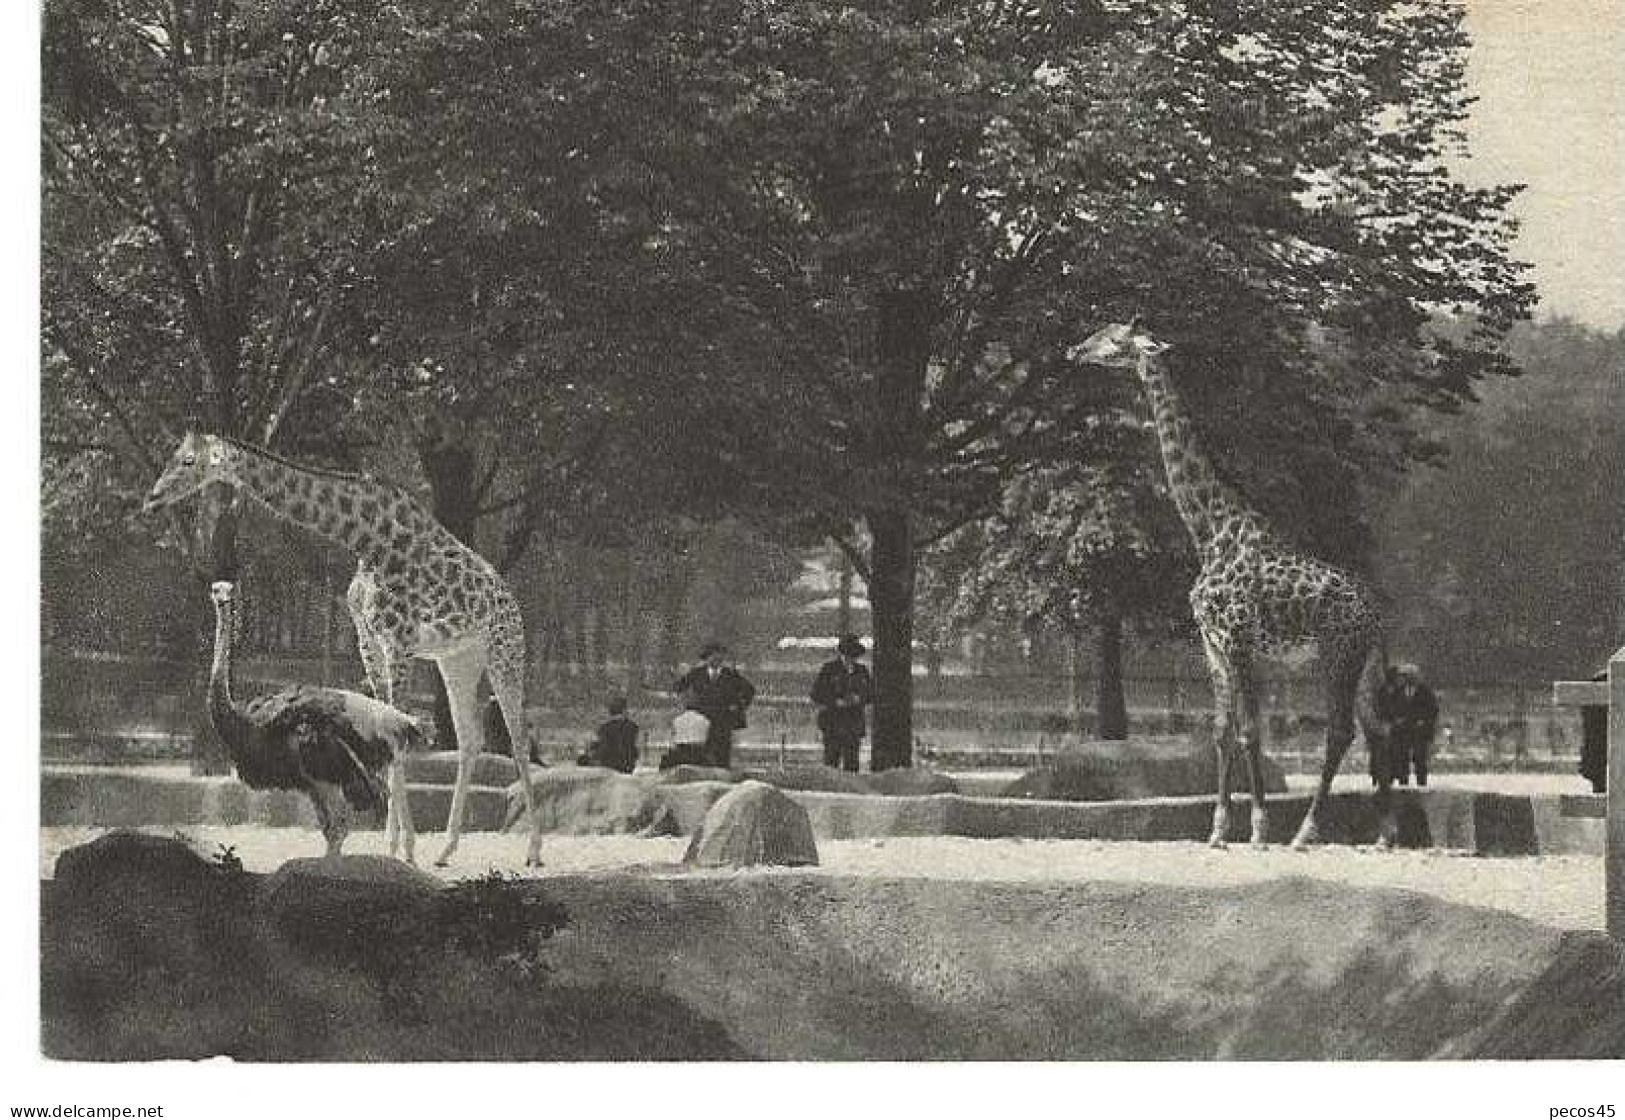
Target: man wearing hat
(1409, 711)
(720, 693)
(842, 688)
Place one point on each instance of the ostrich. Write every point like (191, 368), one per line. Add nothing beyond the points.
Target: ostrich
(333, 745)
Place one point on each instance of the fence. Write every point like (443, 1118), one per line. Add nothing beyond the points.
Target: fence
(151, 704)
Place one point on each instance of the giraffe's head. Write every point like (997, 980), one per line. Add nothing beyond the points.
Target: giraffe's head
(198, 461)
(222, 591)
(1119, 344)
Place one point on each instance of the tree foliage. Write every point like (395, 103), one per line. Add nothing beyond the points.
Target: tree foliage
(1507, 560)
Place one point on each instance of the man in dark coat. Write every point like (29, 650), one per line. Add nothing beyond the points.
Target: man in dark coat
(1594, 742)
(842, 688)
(720, 693)
(1410, 711)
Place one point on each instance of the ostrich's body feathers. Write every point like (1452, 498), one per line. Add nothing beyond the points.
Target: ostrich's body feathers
(296, 736)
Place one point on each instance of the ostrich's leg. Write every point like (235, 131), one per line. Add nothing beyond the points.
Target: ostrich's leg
(461, 672)
(328, 803)
(1224, 732)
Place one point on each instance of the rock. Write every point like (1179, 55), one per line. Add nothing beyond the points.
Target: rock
(1131, 770)
(115, 857)
(677, 775)
(333, 891)
(816, 779)
(317, 917)
(439, 768)
(141, 890)
(683, 807)
(586, 800)
(910, 781)
(751, 825)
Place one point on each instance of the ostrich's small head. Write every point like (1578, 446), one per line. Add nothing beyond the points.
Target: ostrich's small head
(222, 591)
(198, 461)
(1117, 344)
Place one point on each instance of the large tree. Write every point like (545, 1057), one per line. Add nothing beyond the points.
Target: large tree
(905, 210)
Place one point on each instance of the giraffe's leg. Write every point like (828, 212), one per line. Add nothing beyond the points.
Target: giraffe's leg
(1343, 669)
(461, 672)
(510, 698)
(386, 676)
(1249, 730)
(1224, 731)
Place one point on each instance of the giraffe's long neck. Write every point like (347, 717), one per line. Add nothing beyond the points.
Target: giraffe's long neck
(372, 521)
(1203, 500)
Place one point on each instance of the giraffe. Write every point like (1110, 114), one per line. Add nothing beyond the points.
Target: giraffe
(418, 592)
(1255, 594)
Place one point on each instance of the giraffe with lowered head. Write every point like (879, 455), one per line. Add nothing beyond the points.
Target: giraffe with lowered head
(418, 592)
(1256, 594)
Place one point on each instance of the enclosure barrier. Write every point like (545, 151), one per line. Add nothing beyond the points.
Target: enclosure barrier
(1607, 693)
(1616, 795)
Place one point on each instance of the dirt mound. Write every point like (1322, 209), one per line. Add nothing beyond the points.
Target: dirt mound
(149, 951)
(1574, 1009)
(808, 967)
(188, 959)
(753, 824)
(1129, 770)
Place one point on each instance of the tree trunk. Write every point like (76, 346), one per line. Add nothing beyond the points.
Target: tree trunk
(902, 352)
(1077, 679)
(634, 643)
(843, 597)
(1110, 704)
(891, 604)
(216, 543)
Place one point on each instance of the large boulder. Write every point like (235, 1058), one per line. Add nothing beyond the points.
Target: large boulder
(750, 825)
(1131, 770)
(136, 889)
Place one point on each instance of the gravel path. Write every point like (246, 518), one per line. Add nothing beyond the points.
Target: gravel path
(1564, 891)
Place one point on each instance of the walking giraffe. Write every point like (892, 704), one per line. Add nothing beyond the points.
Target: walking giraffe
(1255, 594)
(418, 592)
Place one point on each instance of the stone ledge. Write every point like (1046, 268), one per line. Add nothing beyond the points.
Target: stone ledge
(1457, 820)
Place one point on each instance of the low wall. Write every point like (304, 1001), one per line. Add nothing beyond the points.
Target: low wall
(1460, 820)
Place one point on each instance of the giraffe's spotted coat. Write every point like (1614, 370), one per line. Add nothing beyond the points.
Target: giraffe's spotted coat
(1255, 594)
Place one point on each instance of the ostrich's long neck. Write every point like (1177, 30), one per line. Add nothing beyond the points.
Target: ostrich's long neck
(367, 518)
(223, 713)
(1198, 493)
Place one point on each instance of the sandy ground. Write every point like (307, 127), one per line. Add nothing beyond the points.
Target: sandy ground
(1564, 891)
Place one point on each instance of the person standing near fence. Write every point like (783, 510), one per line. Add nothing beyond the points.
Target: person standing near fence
(841, 690)
(721, 694)
(1410, 711)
